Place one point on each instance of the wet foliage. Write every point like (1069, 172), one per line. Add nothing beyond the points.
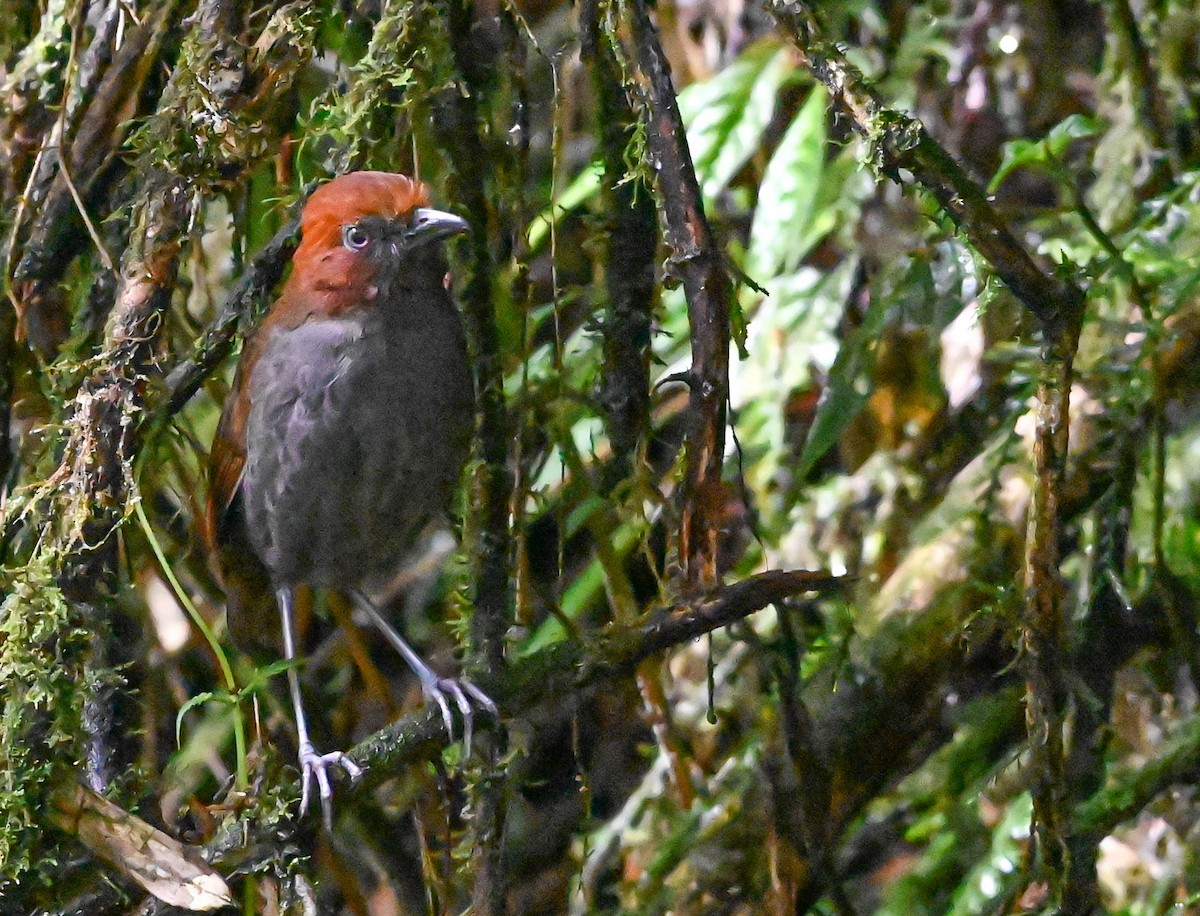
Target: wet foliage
(903, 294)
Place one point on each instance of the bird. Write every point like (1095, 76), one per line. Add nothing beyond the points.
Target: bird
(346, 431)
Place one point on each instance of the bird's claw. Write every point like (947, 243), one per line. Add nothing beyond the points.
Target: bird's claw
(462, 692)
(314, 765)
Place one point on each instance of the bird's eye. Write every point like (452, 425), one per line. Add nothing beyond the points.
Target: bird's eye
(355, 238)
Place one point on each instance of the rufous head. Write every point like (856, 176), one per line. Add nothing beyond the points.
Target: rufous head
(363, 223)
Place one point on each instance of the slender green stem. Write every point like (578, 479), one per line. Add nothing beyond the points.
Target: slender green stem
(239, 723)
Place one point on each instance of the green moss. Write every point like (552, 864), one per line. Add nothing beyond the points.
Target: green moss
(408, 51)
(44, 686)
(213, 117)
(42, 62)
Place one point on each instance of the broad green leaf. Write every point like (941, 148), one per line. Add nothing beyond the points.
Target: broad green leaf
(926, 36)
(1044, 153)
(586, 588)
(848, 387)
(586, 184)
(782, 231)
(793, 331)
(726, 115)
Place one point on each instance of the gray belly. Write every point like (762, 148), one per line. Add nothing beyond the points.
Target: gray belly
(356, 439)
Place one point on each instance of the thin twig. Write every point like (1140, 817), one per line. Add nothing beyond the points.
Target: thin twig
(105, 257)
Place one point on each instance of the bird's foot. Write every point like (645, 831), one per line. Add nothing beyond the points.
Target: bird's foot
(442, 690)
(316, 766)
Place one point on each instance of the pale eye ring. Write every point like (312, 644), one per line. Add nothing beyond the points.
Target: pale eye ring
(355, 237)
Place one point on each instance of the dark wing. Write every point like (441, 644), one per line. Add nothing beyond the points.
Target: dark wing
(250, 609)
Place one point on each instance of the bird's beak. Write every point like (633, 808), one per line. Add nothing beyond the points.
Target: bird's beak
(429, 225)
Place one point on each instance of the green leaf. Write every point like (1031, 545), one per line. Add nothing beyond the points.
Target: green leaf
(198, 700)
(726, 115)
(261, 675)
(848, 387)
(782, 231)
(585, 185)
(1047, 153)
(995, 875)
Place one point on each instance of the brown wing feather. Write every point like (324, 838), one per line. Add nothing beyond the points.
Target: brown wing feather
(227, 458)
(226, 463)
(250, 609)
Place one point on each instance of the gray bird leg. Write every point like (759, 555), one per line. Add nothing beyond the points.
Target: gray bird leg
(312, 764)
(435, 687)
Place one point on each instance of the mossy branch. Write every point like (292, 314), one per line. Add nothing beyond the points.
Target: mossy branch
(217, 84)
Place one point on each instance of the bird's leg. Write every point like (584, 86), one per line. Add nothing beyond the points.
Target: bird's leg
(312, 764)
(434, 687)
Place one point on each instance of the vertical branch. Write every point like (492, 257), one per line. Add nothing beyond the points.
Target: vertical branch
(8, 348)
(459, 124)
(206, 131)
(77, 173)
(100, 454)
(629, 271)
(460, 118)
(1108, 645)
(697, 261)
(1043, 630)
(102, 442)
(1152, 110)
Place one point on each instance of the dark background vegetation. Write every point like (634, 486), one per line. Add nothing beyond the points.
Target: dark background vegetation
(913, 301)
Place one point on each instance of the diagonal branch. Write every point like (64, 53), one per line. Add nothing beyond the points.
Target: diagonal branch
(252, 289)
(571, 666)
(549, 675)
(900, 143)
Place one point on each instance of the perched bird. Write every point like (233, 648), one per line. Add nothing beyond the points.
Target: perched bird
(347, 428)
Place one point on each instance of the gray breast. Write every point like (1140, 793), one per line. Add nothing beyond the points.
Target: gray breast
(357, 434)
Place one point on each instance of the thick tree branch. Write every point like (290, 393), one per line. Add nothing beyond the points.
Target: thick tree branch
(1129, 790)
(1044, 630)
(458, 122)
(697, 260)
(206, 132)
(90, 165)
(629, 273)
